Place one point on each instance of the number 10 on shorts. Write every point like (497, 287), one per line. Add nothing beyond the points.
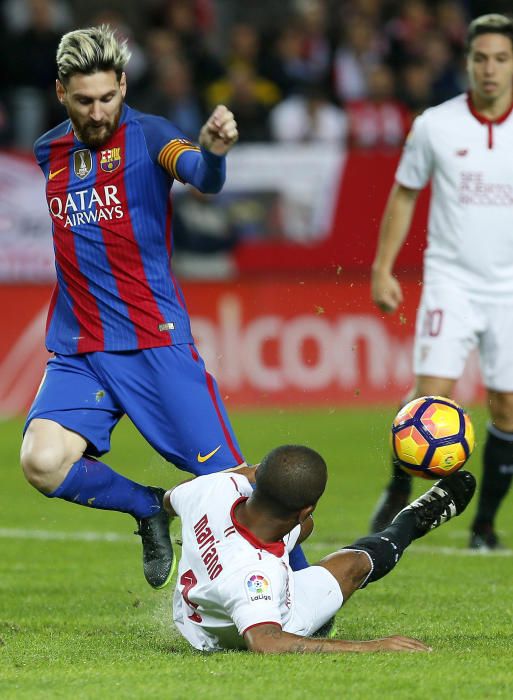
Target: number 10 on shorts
(432, 322)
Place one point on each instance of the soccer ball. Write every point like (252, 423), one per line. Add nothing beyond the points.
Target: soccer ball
(432, 437)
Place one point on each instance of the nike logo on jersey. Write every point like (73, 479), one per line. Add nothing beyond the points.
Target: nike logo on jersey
(462, 152)
(54, 174)
(203, 458)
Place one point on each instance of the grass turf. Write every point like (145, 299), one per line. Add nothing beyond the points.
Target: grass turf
(78, 621)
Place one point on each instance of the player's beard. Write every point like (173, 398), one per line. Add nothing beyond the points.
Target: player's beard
(96, 135)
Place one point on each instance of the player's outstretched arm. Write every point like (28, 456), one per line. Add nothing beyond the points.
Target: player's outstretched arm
(205, 170)
(271, 639)
(219, 132)
(385, 289)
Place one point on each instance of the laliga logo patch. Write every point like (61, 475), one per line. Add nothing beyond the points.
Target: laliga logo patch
(258, 587)
(110, 159)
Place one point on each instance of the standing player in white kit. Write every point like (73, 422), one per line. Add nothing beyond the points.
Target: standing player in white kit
(465, 147)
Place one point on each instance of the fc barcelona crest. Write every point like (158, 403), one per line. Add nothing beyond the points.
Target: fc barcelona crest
(82, 163)
(110, 159)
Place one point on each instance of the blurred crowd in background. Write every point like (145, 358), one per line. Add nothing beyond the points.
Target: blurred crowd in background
(353, 72)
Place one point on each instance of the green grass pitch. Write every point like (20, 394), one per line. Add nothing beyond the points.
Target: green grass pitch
(77, 620)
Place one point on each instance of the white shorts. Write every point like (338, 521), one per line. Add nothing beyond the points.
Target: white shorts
(450, 324)
(317, 597)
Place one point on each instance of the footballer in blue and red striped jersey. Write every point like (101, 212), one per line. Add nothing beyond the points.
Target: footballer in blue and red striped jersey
(118, 325)
(115, 291)
(111, 216)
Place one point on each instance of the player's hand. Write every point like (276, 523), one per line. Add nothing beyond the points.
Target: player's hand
(386, 291)
(398, 643)
(219, 132)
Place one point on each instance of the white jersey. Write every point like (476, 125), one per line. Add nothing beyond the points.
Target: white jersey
(469, 161)
(228, 581)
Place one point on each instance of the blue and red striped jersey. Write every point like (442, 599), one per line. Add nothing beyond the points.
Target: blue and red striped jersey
(111, 214)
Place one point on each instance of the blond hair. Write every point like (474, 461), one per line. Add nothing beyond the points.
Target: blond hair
(90, 51)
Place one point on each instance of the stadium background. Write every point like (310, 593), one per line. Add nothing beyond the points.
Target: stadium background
(276, 269)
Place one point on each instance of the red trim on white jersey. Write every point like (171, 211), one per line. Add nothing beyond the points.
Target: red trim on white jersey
(259, 624)
(235, 484)
(276, 548)
(490, 123)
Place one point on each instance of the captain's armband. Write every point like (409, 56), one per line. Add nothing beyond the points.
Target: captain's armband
(171, 152)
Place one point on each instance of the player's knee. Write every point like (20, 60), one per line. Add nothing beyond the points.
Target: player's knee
(38, 466)
(44, 465)
(502, 414)
(47, 453)
(431, 386)
(361, 566)
(350, 567)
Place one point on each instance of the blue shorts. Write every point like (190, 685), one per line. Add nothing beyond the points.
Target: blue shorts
(166, 392)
